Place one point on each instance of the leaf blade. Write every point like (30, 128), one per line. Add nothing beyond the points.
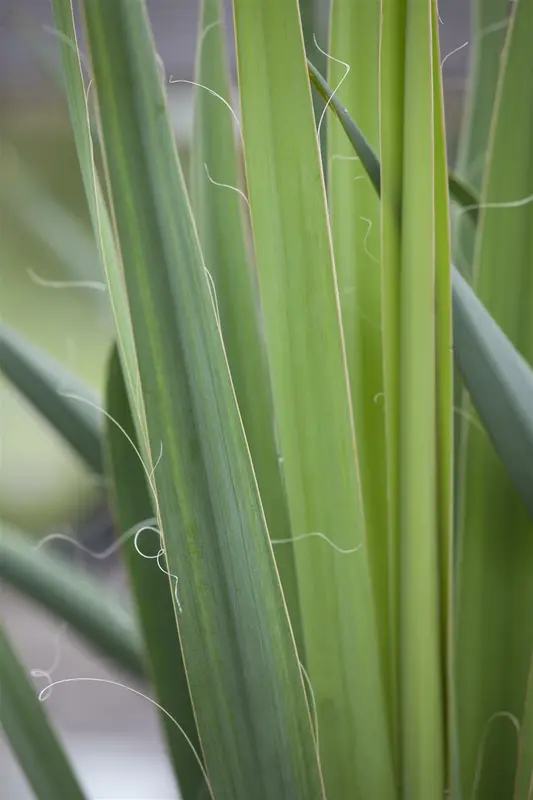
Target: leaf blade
(227, 254)
(190, 407)
(39, 379)
(150, 586)
(73, 596)
(311, 396)
(29, 733)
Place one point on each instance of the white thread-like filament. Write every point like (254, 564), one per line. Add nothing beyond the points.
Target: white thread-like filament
(338, 86)
(98, 286)
(215, 94)
(365, 243)
(226, 186)
(145, 697)
(453, 52)
(318, 535)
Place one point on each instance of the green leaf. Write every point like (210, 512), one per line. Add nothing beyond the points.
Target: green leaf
(48, 221)
(77, 101)
(460, 191)
(218, 213)
(29, 733)
(495, 531)
(500, 384)
(354, 213)
(150, 586)
(254, 723)
(46, 384)
(391, 99)
(524, 770)
(355, 135)
(445, 396)
(73, 596)
(465, 197)
(422, 464)
(470, 326)
(311, 398)
(490, 20)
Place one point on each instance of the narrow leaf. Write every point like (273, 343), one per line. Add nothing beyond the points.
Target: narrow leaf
(311, 398)
(45, 384)
(495, 531)
(473, 323)
(355, 220)
(152, 592)
(490, 19)
(218, 213)
(422, 463)
(78, 106)
(72, 595)
(48, 221)
(500, 384)
(459, 189)
(29, 733)
(524, 772)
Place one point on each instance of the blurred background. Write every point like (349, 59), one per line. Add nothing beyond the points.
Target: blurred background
(45, 240)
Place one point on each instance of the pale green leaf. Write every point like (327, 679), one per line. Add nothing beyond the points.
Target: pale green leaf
(311, 397)
(495, 581)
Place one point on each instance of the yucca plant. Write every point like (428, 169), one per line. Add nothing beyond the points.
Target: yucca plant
(329, 601)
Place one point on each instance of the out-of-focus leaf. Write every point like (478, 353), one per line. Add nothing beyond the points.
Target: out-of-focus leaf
(29, 733)
(500, 384)
(53, 225)
(73, 596)
(495, 531)
(524, 772)
(46, 384)
(465, 197)
(490, 20)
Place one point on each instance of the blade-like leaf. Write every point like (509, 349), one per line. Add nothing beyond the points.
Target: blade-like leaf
(44, 383)
(495, 531)
(354, 214)
(219, 218)
(52, 225)
(465, 196)
(445, 385)
(311, 398)
(72, 595)
(391, 98)
(460, 191)
(524, 772)
(423, 371)
(473, 324)
(29, 733)
(254, 724)
(150, 585)
(81, 127)
(489, 22)
(500, 384)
